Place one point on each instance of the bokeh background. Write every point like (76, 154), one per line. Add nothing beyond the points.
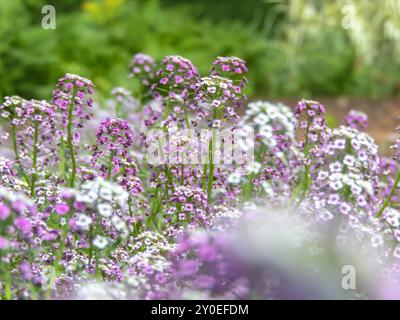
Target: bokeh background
(344, 52)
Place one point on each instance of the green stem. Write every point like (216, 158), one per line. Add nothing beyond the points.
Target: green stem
(140, 109)
(169, 177)
(97, 266)
(70, 144)
(390, 196)
(14, 139)
(60, 251)
(185, 111)
(34, 160)
(166, 114)
(118, 110)
(204, 181)
(110, 165)
(7, 282)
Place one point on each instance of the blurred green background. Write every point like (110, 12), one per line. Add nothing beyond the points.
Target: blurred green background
(293, 48)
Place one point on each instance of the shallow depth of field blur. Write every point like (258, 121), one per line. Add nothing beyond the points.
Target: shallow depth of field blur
(345, 51)
(85, 215)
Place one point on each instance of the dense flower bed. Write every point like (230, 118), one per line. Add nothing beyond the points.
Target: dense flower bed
(171, 192)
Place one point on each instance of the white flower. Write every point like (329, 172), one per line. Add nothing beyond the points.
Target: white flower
(340, 144)
(268, 189)
(347, 180)
(335, 167)
(356, 189)
(325, 215)
(105, 209)
(320, 204)
(261, 119)
(90, 197)
(336, 185)
(355, 144)
(106, 194)
(377, 240)
(349, 160)
(119, 224)
(336, 176)
(392, 217)
(362, 156)
(100, 242)
(396, 252)
(322, 175)
(83, 221)
(253, 167)
(234, 178)
(361, 201)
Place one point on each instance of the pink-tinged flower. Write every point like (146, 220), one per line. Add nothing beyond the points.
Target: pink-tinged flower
(208, 252)
(356, 120)
(23, 225)
(4, 212)
(18, 206)
(61, 209)
(187, 268)
(205, 282)
(178, 75)
(233, 68)
(3, 243)
(142, 68)
(73, 94)
(111, 154)
(26, 271)
(79, 206)
(66, 194)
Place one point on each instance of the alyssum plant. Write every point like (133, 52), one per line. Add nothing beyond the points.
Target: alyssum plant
(84, 214)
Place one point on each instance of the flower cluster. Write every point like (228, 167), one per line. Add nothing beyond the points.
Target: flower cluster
(230, 67)
(142, 67)
(8, 176)
(188, 204)
(347, 179)
(357, 120)
(124, 102)
(218, 97)
(72, 97)
(16, 214)
(111, 156)
(311, 120)
(33, 131)
(174, 195)
(178, 77)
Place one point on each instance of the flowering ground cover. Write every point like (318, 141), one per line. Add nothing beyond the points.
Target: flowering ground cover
(165, 192)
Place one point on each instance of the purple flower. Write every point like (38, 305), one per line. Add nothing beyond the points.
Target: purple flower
(23, 225)
(208, 252)
(187, 268)
(61, 209)
(4, 212)
(205, 281)
(178, 75)
(18, 206)
(142, 68)
(357, 120)
(232, 68)
(3, 243)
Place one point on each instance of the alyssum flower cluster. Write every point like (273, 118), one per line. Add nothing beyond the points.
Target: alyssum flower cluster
(84, 214)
